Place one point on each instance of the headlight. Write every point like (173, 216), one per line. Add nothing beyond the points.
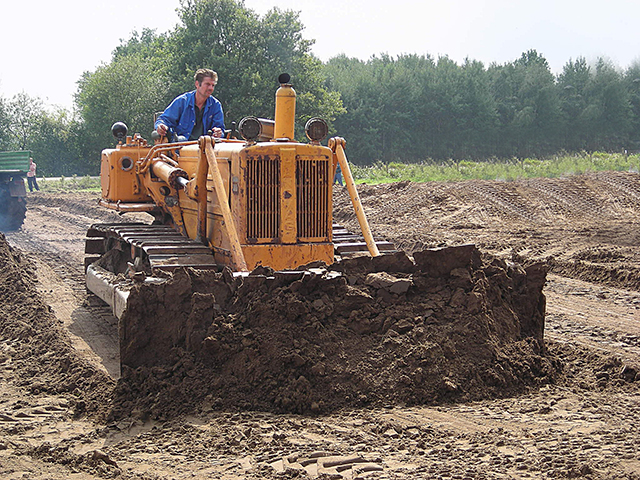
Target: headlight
(316, 129)
(119, 131)
(250, 128)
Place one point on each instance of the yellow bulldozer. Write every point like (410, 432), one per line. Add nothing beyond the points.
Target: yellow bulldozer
(264, 199)
(242, 287)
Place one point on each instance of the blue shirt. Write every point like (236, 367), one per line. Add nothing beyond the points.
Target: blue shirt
(180, 115)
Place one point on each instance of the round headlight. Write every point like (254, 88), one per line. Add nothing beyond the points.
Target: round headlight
(119, 130)
(250, 128)
(316, 129)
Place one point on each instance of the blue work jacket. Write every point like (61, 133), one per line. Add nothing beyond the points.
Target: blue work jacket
(180, 115)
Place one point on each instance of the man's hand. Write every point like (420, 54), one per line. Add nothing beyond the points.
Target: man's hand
(162, 130)
(217, 132)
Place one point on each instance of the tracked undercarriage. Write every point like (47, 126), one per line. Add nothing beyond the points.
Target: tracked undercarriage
(116, 255)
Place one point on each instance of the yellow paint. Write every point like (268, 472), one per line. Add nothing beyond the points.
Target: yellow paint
(223, 200)
(118, 178)
(288, 195)
(285, 112)
(287, 257)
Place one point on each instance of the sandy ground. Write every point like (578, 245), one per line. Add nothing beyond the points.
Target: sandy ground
(583, 425)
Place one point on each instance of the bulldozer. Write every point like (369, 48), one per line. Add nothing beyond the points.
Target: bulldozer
(261, 200)
(244, 289)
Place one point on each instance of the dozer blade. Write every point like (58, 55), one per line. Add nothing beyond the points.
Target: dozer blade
(107, 287)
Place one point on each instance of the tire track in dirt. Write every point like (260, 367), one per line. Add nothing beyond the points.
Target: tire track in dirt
(54, 239)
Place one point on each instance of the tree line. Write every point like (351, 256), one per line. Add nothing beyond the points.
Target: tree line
(409, 108)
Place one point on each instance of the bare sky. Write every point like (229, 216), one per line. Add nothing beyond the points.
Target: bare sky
(46, 46)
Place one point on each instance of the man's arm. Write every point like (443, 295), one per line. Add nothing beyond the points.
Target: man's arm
(217, 119)
(170, 117)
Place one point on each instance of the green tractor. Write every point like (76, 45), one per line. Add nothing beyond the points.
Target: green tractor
(13, 206)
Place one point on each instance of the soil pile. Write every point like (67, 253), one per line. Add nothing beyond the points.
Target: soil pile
(35, 348)
(446, 325)
(583, 226)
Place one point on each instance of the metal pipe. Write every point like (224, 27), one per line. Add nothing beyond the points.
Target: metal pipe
(337, 145)
(200, 195)
(145, 163)
(223, 200)
(168, 173)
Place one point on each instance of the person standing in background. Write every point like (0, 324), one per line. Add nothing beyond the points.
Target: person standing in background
(338, 177)
(31, 176)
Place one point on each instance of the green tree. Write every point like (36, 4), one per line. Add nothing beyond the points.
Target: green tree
(572, 85)
(56, 146)
(361, 89)
(607, 116)
(632, 84)
(412, 108)
(128, 90)
(5, 136)
(23, 113)
(528, 106)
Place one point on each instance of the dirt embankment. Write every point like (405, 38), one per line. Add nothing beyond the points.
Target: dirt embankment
(36, 351)
(382, 331)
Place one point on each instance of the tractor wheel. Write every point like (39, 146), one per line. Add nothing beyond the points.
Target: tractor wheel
(13, 214)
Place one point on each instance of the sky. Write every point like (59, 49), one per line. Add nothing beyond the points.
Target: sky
(46, 46)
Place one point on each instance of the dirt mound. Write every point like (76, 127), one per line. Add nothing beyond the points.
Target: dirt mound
(382, 331)
(583, 226)
(35, 348)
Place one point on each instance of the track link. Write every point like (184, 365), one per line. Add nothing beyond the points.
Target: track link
(159, 245)
(347, 243)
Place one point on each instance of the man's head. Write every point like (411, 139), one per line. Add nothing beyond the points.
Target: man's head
(205, 80)
(203, 73)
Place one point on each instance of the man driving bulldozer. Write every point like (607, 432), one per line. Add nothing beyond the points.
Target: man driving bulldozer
(194, 113)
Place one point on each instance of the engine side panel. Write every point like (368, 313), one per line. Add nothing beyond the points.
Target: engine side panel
(118, 177)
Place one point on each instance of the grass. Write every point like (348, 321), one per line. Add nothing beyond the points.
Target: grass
(380, 172)
(558, 166)
(70, 184)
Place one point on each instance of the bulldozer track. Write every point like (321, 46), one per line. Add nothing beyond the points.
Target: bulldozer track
(347, 243)
(163, 247)
(166, 249)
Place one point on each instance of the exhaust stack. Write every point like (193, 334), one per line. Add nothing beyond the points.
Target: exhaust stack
(285, 109)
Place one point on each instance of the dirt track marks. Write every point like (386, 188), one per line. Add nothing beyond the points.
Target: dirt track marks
(53, 236)
(569, 199)
(503, 200)
(627, 187)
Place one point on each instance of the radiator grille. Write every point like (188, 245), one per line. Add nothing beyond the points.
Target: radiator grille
(263, 198)
(313, 198)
